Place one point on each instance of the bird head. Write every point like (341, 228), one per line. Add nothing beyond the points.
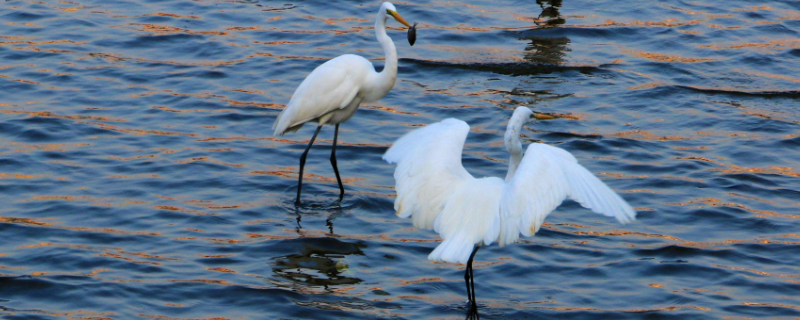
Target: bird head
(389, 10)
(521, 116)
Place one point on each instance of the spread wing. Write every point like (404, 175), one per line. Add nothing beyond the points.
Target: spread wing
(546, 176)
(330, 87)
(428, 169)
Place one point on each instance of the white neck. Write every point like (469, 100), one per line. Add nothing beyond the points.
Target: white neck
(514, 147)
(511, 138)
(384, 81)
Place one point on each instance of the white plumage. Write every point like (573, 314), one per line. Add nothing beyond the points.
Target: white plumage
(329, 94)
(335, 89)
(437, 192)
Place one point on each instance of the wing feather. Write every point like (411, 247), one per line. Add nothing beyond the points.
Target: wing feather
(546, 176)
(428, 169)
(330, 87)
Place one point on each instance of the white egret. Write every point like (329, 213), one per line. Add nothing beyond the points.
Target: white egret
(334, 90)
(437, 192)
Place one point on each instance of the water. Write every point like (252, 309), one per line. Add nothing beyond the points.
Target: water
(140, 179)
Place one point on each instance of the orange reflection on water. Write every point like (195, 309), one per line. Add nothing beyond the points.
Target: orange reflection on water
(134, 158)
(37, 43)
(670, 23)
(755, 8)
(751, 197)
(244, 28)
(209, 160)
(716, 26)
(23, 221)
(649, 85)
(78, 314)
(48, 114)
(215, 255)
(134, 176)
(772, 305)
(705, 14)
(714, 202)
(388, 109)
(172, 15)
(645, 135)
(120, 257)
(21, 176)
(252, 91)
(761, 273)
(421, 280)
(255, 104)
(173, 208)
(734, 169)
(666, 58)
(668, 308)
(164, 30)
(190, 110)
(140, 132)
(291, 173)
(273, 43)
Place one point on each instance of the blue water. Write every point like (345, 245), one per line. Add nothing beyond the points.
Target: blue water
(139, 178)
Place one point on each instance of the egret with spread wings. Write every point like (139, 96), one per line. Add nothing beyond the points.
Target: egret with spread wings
(435, 190)
(335, 89)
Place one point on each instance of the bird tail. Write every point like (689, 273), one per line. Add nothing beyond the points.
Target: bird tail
(456, 250)
(279, 127)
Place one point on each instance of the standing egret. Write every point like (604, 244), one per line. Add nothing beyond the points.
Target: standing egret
(437, 192)
(334, 90)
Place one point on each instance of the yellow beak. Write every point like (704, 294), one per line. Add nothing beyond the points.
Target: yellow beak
(398, 18)
(542, 116)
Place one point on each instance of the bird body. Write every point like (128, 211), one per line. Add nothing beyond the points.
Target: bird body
(469, 217)
(332, 92)
(424, 186)
(435, 190)
(438, 193)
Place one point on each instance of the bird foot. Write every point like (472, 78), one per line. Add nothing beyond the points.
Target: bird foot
(473, 311)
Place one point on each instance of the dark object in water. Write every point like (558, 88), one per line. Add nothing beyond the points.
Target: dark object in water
(412, 34)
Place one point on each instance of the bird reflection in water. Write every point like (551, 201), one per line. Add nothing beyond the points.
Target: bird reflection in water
(542, 54)
(550, 15)
(333, 212)
(549, 50)
(546, 50)
(320, 262)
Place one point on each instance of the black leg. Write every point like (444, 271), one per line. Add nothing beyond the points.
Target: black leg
(333, 162)
(303, 164)
(466, 280)
(297, 212)
(472, 279)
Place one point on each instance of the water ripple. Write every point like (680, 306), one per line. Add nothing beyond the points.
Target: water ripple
(141, 179)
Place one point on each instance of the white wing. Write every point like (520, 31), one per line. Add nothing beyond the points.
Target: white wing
(331, 86)
(471, 215)
(546, 176)
(428, 169)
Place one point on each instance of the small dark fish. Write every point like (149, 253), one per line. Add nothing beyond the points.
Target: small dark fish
(412, 34)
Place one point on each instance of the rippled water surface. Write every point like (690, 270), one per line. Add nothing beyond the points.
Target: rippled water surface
(139, 177)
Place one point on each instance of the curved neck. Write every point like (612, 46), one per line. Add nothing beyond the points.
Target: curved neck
(514, 147)
(387, 76)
